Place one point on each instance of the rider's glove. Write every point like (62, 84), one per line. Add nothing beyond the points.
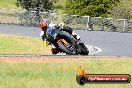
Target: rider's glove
(46, 43)
(78, 38)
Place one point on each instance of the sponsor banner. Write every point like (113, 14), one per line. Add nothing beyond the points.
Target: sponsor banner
(83, 78)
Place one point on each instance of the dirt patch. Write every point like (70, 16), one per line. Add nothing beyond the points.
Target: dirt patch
(30, 60)
(44, 59)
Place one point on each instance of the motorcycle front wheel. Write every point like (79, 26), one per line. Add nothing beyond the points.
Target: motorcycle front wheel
(67, 44)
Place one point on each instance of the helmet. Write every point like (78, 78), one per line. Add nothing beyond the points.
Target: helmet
(44, 24)
(61, 24)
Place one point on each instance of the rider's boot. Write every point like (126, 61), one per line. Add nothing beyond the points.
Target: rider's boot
(54, 50)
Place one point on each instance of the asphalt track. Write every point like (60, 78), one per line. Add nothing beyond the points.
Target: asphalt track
(111, 43)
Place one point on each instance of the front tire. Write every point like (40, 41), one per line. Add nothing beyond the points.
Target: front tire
(84, 50)
(62, 47)
(67, 37)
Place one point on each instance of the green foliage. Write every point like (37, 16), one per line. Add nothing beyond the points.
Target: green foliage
(35, 4)
(59, 5)
(122, 10)
(90, 7)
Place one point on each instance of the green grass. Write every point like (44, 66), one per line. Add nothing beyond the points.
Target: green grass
(61, 75)
(22, 45)
(8, 4)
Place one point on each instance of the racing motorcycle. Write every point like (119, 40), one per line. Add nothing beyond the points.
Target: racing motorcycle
(69, 44)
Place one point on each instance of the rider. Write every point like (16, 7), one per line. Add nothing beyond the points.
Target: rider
(47, 31)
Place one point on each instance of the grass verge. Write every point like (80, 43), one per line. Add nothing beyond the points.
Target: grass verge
(8, 4)
(62, 74)
(10, 44)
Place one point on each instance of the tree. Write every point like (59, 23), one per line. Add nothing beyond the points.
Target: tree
(36, 5)
(90, 7)
(42, 5)
(122, 10)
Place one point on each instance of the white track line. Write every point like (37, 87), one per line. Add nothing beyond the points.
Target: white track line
(93, 49)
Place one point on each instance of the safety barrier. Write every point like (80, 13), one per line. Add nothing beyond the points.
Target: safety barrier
(32, 18)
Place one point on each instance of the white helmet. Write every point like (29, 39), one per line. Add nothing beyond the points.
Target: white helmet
(61, 24)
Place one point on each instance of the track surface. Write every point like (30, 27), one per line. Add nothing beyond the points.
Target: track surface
(112, 43)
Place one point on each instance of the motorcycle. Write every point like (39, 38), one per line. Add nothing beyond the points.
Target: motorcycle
(68, 44)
